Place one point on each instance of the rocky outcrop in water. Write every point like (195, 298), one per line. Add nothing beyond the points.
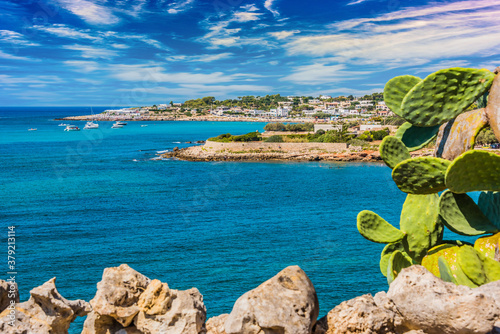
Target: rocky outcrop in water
(46, 312)
(128, 302)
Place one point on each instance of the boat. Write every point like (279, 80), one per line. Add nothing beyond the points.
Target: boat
(91, 125)
(117, 125)
(32, 129)
(144, 125)
(72, 128)
(120, 123)
(63, 124)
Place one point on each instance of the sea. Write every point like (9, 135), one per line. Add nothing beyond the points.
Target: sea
(86, 200)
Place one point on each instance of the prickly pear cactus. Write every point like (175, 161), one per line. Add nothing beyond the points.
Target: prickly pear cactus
(437, 105)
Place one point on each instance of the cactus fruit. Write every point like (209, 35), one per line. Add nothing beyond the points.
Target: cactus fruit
(489, 203)
(459, 135)
(396, 89)
(444, 95)
(473, 171)
(463, 216)
(393, 151)
(397, 262)
(415, 137)
(487, 246)
(423, 175)
(421, 223)
(376, 229)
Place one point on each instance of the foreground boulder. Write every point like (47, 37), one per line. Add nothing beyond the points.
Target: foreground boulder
(8, 293)
(286, 303)
(433, 306)
(215, 325)
(166, 311)
(359, 315)
(130, 303)
(46, 312)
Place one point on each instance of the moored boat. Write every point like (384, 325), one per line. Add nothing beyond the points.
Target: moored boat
(72, 128)
(117, 125)
(91, 125)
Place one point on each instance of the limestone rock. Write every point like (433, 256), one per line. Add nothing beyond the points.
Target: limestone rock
(359, 315)
(46, 312)
(284, 304)
(8, 293)
(166, 311)
(118, 293)
(104, 324)
(215, 325)
(436, 307)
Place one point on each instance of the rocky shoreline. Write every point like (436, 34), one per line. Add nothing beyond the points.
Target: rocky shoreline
(127, 302)
(255, 152)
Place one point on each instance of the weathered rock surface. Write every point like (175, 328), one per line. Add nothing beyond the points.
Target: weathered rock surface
(118, 293)
(436, 307)
(166, 311)
(359, 315)
(46, 312)
(286, 303)
(215, 325)
(8, 293)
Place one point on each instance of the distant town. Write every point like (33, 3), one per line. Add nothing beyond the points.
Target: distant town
(269, 106)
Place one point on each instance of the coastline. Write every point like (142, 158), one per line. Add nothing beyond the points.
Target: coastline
(259, 151)
(102, 118)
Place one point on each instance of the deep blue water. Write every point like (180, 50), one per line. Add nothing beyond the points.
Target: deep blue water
(84, 201)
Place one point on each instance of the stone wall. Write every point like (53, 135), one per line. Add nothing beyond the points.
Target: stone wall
(286, 147)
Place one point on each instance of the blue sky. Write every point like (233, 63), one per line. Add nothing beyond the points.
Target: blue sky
(140, 52)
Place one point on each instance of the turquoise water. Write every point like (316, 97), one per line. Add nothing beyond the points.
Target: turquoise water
(84, 201)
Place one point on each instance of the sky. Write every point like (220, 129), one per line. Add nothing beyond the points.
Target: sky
(144, 52)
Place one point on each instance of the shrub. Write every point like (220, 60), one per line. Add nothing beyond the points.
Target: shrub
(274, 139)
(275, 127)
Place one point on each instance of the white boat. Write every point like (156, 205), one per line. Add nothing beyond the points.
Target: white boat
(63, 124)
(120, 123)
(91, 125)
(144, 125)
(32, 129)
(72, 128)
(117, 125)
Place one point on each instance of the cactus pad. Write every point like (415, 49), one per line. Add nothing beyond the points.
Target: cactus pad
(493, 107)
(444, 95)
(376, 229)
(473, 171)
(459, 135)
(415, 137)
(472, 265)
(396, 89)
(487, 245)
(421, 223)
(386, 255)
(491, 269)
(489, 203)
(393, 151)
(445, 271)
(430, 261)
(423, 175)
(463, 216)
(397, 262)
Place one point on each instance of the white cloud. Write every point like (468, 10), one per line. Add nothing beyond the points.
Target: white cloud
(180, 6)
(395, 40)
(61, 30)
(442, 64)
(4, 55)
(284, 34)
(319, 73)
(15, 38)
(90, 12)
(92, 52)
(30, 79)
(355, 2)
(246, 16)
(82, 65)
(190, 90)
(269, 6)
(205, 58)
